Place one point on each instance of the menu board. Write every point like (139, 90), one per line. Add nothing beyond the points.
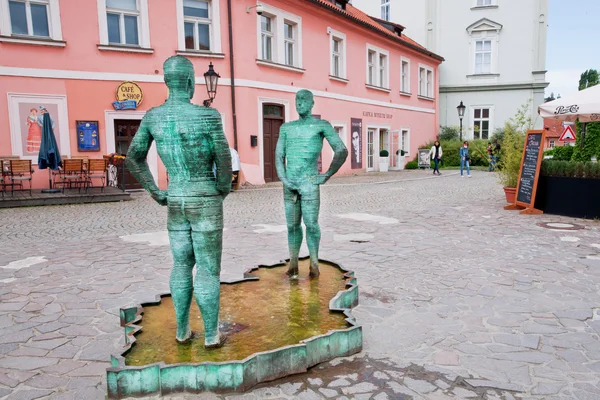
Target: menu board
(530, 168)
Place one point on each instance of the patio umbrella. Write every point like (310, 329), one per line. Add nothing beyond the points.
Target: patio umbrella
(49, 156)
(583, 105)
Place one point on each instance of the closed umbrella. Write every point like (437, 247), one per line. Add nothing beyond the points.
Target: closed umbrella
(49, 156)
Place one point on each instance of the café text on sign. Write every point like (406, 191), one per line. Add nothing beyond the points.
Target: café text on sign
(377, 115)
(130, 91)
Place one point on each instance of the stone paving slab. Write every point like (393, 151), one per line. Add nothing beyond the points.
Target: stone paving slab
(459, 298)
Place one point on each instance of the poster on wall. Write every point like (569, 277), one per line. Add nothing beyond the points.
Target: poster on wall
(356, 147)
(87, 136)
(31, 118)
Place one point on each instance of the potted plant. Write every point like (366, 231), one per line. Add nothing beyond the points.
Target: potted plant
(384, 161)
(511, 153)
(400, 158)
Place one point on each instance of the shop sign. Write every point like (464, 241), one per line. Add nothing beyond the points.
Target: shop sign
(129, 96)
(377, 115)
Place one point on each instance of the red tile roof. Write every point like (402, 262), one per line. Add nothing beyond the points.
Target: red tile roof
(553, 127)
(360, 17)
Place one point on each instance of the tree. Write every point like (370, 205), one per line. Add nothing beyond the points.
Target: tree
(591, 145)
(588, 79)
(550, 98)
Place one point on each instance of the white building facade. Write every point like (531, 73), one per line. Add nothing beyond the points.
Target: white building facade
(494, 50)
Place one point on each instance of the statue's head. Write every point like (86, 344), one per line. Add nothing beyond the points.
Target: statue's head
(179, 75)
(304, 102)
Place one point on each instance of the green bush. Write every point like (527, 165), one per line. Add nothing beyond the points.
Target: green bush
(563, 153)
(570, 169)
(384, 153)
(591, 145)
(412, 165)
(448, 133)
(549, 152)
(451, 155)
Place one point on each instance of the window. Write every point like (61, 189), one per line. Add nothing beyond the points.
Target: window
(405, 76)
(29, 18)
(337, 43)
(377, 67)
(371, 73)
(280, 38)
(481, 123)
(267, 38)
(483, 57)
(383, 70)
(405, 141)
(197, 25)
(426, 82)
(340, 130)
(551, 144)
(122, 22)
(385, 10)
(289, 43)
(481, 3)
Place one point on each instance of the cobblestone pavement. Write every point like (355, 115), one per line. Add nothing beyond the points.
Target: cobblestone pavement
(459, 298)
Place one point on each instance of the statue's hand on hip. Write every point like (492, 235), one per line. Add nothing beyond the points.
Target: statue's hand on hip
(160, 197)
(322, 178)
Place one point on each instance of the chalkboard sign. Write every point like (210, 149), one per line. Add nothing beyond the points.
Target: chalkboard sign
(530, 169)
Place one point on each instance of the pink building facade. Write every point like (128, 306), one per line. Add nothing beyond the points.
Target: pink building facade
(378, 88)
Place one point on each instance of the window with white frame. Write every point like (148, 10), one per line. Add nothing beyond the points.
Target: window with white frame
(385, 10)
(426, 82)
(481, 123)
(377, 67)
(197, 25)
(29, 18)
(340, 130)
(552, 144)
(337, 42)
(266, 34)
(482, 3)
(371, 68)
(280, 39)
(405, 141)
(383, 65)
(405, 76)
(122, 21)
(289, 42)
(483, 56)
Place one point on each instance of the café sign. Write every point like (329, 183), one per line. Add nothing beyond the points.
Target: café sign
(377, 115)
(129, 96)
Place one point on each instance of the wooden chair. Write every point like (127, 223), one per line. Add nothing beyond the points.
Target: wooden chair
(72, 173)
(96, 170)
(20, 171)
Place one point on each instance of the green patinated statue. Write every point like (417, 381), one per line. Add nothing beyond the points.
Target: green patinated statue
(298, 148)
(189, 140)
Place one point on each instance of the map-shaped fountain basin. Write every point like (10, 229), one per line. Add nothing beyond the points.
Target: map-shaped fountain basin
(276, 326)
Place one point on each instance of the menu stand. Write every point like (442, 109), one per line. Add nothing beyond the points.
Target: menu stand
(529, 174)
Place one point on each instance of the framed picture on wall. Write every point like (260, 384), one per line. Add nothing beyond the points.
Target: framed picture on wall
(88, 136)
(26, 112)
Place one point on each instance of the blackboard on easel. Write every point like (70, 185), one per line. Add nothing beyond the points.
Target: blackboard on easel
(529, 173)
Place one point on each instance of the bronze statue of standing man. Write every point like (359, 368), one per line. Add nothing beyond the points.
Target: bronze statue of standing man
(189, 140)
(298, 148)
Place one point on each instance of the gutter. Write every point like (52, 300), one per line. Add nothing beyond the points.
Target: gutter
(232, 74)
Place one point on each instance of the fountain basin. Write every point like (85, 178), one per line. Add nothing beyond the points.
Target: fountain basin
(278, 327)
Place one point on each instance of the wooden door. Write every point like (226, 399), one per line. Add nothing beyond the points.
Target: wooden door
(272, 121)
(125, 129)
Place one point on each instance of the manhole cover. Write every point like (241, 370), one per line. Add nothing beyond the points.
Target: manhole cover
(561, 226)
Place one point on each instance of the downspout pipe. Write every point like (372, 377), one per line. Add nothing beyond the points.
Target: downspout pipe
(232, 73)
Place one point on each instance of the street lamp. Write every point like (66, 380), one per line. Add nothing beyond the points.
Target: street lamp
(461, 113)
(211, 78)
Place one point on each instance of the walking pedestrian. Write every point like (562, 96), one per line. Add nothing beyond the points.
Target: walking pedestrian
(465, 159)
(436, 155)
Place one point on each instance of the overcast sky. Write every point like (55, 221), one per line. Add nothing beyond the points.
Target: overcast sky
(573, 43)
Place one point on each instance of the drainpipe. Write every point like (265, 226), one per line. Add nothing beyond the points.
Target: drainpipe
(232, 73)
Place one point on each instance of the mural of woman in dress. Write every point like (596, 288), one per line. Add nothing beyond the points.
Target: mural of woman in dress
(34, 132)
